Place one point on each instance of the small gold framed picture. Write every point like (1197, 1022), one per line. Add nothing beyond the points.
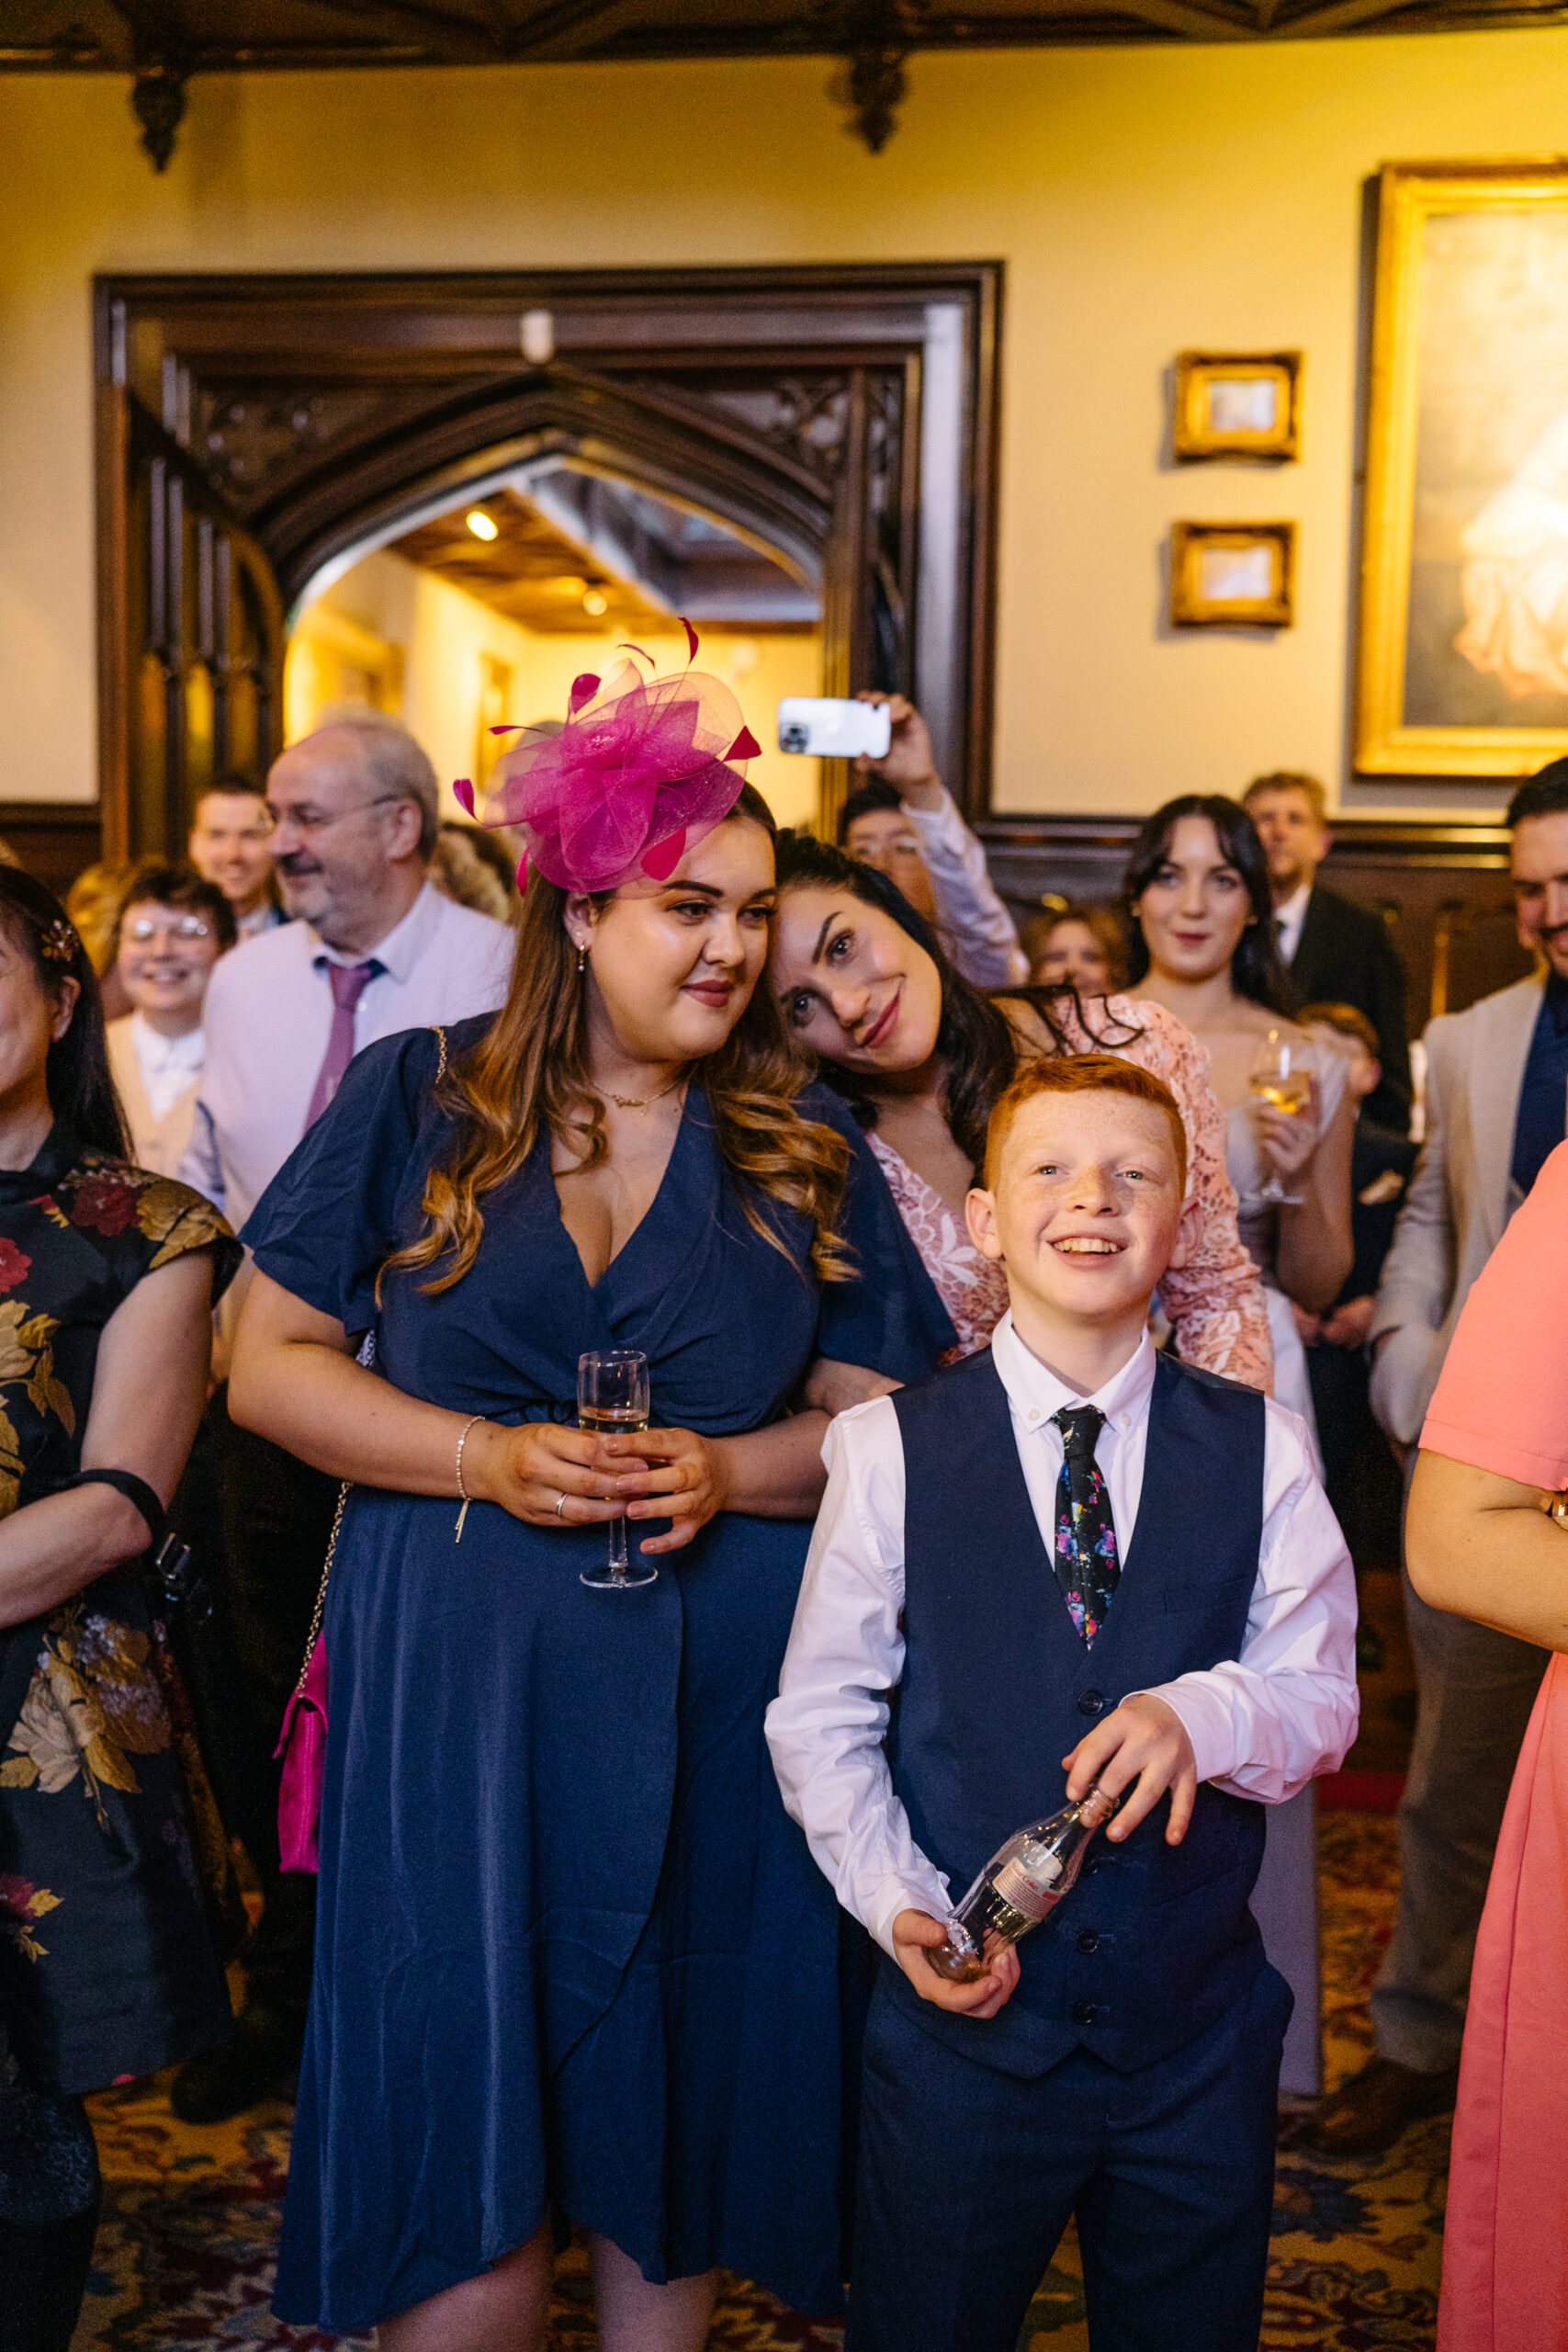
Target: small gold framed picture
(1238, 404)
(1232, 575)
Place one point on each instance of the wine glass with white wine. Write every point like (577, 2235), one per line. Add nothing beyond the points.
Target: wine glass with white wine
(1282, 1076)
(613, 1401)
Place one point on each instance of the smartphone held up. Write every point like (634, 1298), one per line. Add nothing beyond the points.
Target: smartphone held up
(834, 729)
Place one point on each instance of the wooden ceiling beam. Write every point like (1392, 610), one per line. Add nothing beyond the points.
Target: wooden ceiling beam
(1339, 16)
(1196, 23)
(465, 39)
(572, 29)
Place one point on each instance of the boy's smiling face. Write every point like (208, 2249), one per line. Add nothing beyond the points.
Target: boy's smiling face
(1086, 1212)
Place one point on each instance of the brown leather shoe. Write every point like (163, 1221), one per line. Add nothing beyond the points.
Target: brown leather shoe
(1368, 2113)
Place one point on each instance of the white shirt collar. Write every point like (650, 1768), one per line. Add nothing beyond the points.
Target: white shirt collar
(154, 1051)
(1035, 1394)
(1288, 917)
(404, 945)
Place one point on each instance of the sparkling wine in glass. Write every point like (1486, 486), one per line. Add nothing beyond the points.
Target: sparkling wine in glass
(1282, 1076)
(612, 1400)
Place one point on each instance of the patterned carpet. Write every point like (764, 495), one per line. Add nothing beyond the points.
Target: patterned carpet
(183, 2257)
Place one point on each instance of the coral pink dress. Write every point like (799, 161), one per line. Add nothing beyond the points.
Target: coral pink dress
(1502, 1405)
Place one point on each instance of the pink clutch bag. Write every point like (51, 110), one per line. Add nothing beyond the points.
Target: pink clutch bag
(302, 1742)
(303, 1748)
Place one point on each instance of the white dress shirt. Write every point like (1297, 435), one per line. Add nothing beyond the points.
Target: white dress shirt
(976, 931)
(1261, 1725)
(1288, 917)
(168, 1065)
(268, 1017)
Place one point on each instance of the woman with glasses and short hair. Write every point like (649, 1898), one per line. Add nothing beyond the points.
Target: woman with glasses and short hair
(173, 928)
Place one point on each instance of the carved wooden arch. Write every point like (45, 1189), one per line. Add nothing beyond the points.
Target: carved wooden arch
(600, 426)
(252, 429)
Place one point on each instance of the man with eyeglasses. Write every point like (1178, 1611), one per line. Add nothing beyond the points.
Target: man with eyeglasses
(1497, 1104)
(372, 948)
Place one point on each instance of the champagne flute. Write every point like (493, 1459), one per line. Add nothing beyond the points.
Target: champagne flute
(612, 1396)
(1282, 1076)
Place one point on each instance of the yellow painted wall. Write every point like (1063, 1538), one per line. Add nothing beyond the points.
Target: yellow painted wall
(437, 636)
(1142, 201)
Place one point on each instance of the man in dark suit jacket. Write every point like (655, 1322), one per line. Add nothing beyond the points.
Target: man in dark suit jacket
(1334, 949)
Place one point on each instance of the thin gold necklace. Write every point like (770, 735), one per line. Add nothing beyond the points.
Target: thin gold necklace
(645, 1101)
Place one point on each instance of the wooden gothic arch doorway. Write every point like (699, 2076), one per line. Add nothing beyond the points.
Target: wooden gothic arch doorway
(251, 429)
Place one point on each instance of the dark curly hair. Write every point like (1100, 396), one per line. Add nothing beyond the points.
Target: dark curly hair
(1255, 969)
(81, 1090)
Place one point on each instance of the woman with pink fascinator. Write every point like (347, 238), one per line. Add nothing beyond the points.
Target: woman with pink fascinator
(573, 1961)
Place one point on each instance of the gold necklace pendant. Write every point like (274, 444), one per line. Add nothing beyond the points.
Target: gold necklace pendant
(645, 1101)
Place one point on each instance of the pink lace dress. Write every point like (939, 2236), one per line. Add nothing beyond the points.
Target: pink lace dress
(1215, 1303)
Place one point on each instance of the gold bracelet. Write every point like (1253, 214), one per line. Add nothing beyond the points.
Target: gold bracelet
(467, 1498)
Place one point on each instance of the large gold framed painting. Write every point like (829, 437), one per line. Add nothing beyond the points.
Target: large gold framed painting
(1462, 664)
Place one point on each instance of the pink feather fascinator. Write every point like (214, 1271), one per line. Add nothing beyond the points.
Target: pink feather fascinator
(643, 767)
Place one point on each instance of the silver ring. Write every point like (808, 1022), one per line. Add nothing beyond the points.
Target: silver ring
(561, 1505)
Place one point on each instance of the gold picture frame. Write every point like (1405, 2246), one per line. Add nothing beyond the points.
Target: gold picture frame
(1461, 654)
(1232, 575)
(1238, 404)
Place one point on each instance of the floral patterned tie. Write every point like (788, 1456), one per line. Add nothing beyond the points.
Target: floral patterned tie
(1087, 1565)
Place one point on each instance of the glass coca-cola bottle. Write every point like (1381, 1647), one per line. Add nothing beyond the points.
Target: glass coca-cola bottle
(1022, 1883)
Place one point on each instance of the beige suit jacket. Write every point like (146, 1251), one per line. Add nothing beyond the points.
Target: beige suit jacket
(1461, 1197)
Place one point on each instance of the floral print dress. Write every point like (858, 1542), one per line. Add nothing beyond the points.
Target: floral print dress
(107, 1967)
(1215, 1303)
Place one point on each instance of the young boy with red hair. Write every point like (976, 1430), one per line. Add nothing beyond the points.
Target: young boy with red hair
(1066, 1560)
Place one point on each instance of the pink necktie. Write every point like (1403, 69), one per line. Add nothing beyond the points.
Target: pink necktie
(349, 982)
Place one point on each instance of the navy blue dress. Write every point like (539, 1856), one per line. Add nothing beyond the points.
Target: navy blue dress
(570, 1946)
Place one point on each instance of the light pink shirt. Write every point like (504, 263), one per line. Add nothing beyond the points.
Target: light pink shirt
(1262, 1725)
(269, 1013)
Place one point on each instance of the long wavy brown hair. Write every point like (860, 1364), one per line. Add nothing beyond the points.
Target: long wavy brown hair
(529, 1075)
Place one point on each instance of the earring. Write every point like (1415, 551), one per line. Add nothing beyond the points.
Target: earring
(581, 960)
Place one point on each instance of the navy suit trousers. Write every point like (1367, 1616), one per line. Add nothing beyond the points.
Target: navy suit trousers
(968, 2177)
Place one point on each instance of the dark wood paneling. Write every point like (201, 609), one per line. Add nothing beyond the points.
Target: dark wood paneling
(295, 417)
(53, 842)
(1441, 889)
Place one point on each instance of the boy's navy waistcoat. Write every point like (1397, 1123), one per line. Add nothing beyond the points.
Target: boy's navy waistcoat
(1155, 1942)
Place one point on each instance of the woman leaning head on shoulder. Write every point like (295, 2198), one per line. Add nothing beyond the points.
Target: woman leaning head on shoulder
(921, 1056)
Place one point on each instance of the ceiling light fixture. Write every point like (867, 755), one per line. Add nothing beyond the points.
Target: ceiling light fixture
(480, 523)
(595, 603)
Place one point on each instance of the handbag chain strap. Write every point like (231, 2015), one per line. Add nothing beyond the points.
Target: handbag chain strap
(320, 1610)
(365, 1357)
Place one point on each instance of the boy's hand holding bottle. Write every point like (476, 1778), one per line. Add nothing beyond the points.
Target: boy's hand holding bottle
(968, 1964)
(1144, 1740)
(916, 1935)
